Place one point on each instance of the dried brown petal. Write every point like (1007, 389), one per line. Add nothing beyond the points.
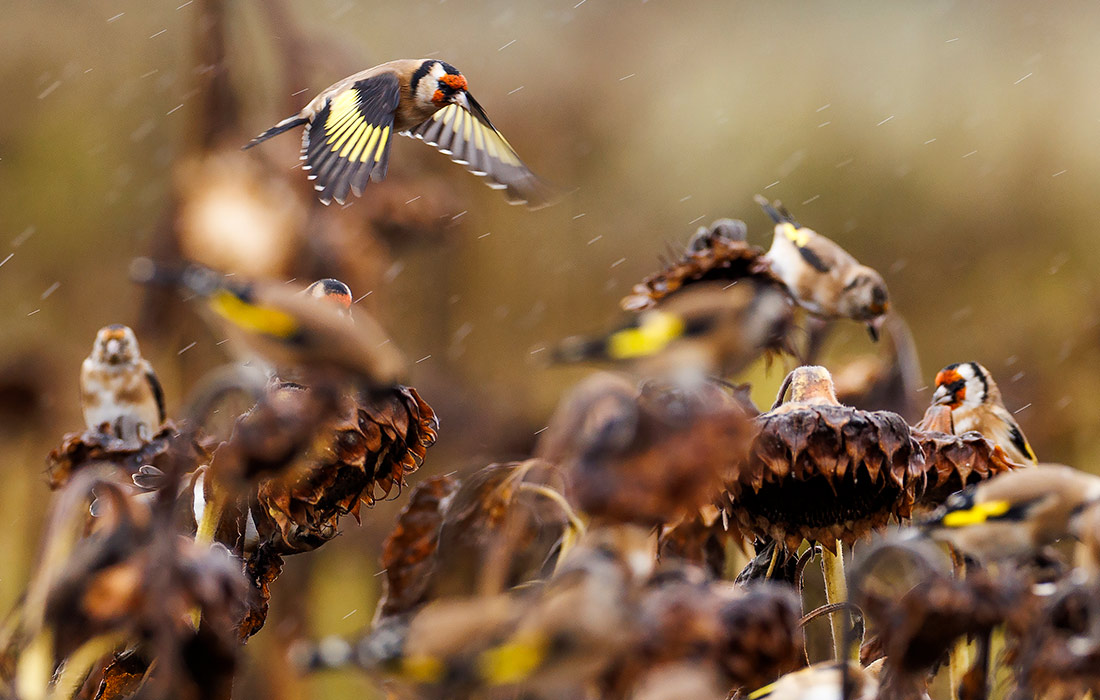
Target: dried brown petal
(408, 554)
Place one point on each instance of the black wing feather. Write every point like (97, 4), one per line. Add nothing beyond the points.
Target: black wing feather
(350, 137)
(158, 395)
(471, 139)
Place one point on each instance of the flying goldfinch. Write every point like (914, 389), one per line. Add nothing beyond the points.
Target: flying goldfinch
(1015, 513)
(349, 128)
(823, 277)
(709, 328)
(118, 387)
(283, 327)
(975, 401)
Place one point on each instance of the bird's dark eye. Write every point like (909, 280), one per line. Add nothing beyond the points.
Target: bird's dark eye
(698, 326)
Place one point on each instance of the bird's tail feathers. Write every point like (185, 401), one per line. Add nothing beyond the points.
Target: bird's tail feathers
(285, 125)
(579, 349)
(777, 211)
(198, 279)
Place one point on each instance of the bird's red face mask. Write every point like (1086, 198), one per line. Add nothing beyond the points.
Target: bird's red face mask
(950, 389)
(449, 85)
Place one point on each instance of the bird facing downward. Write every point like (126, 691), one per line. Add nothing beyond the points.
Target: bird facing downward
(348, 129)
(975, 401)
(118, 387)
(823, 277)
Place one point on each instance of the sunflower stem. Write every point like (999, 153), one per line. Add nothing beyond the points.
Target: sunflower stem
(836, 591)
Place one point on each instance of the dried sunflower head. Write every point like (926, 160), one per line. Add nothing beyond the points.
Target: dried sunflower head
(823, 472)
(319, 461)
(954, 461)
(718, 252)
(649, 456)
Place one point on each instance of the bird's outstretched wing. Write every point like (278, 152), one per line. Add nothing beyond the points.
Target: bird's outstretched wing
(347, 143)
(470, 139)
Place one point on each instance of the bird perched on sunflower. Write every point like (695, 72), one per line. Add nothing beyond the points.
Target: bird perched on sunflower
(975, 401)
(284, 328)
(349, 125)
(118, 387)
(823, 277)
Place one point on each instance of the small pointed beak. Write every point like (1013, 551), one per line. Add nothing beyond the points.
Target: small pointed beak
(113, 348)
(941, 396)
(462, 100)
(874, 327)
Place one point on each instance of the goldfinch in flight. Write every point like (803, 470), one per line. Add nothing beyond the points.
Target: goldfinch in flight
(1015, 513)
(118, 387)
(823, 277)
(707, 329)
(349, 128)
(284, 327)
(975, 401)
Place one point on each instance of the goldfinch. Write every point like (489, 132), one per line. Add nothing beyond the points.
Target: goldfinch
(821, 682)
(1015, 513)
(707, 329)
(823, 277)
(283, 327)
(118, 388)
(975, 401)
(349, 125)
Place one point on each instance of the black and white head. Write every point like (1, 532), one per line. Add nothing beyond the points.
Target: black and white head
(439, 84)
(966, 384)
(116, 345)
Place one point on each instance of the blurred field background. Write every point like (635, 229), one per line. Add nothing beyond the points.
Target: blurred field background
(953, 146)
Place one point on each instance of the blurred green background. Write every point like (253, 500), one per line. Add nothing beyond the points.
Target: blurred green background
(953, 146)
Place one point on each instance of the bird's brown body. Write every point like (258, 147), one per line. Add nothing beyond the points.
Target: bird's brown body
(824, 278)
(409, 112)
(975, 401)
(118, 388)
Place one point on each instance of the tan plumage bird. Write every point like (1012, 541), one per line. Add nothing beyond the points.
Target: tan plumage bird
(285, 328)
(1016, 513)
(823, 277)
(118, 387)
(707, 329)
(975, 401)
(821, 682)
(349, 125)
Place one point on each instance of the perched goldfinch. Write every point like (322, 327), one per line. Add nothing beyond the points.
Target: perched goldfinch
(348, 130)
(285, 328)
(707, 329)
(975, 401)
(823, 277)
(1015, 513)
(821, 682)
(118, 387)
